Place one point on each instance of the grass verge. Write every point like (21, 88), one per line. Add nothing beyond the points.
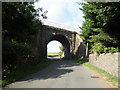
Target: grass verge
(108, 77)
(80, 61)
(21, 73)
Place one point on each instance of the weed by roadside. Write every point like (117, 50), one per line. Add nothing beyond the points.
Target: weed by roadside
(20, 73)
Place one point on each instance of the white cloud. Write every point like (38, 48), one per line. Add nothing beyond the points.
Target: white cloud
(54, 44)
(62, 13)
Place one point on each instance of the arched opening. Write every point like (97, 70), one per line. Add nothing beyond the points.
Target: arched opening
(55, 49)
(64, 42)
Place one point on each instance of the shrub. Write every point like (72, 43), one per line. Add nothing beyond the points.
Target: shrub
(100, 48)
(113, 50)
(15, 55)
(97, 47)
(106, 50)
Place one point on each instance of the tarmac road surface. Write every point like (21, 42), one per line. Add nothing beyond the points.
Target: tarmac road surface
(61, 74)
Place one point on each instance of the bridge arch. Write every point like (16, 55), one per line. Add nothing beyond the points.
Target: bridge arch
(73, 44)
(64, 41)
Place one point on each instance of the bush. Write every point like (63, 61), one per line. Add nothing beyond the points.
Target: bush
(15, 55)
(106, 50)
(100, 48)
(97, 47)
(113, 50)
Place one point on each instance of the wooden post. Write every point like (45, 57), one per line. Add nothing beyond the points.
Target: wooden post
(87, 50)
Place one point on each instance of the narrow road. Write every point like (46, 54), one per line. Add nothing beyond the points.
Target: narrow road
(61, 74)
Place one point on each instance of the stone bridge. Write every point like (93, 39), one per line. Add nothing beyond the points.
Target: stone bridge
(73, 44)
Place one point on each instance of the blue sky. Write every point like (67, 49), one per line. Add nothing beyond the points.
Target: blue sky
(61, 13)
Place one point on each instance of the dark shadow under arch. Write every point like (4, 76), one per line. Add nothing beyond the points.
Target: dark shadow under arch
(64, 41)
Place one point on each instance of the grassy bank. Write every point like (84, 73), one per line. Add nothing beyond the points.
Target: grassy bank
(21, 73)
(108, 77)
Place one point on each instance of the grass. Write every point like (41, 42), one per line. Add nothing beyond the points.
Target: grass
(53, 53)
(112, 79)
(108, 77)
(81, 61)
(19, 74)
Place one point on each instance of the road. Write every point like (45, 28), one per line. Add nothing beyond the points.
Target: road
(61, 74)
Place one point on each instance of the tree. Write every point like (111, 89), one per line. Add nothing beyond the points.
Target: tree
(96, 28)
(19, 22)
(62, 51)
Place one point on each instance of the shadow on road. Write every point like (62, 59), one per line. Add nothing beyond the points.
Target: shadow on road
(57, 69)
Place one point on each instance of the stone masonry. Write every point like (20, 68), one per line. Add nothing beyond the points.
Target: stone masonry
(73, 44)
(108, 62)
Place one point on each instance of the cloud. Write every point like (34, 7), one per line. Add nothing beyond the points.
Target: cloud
(62, 13)
(54, 44)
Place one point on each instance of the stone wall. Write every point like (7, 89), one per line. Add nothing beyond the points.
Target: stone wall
(107, 62)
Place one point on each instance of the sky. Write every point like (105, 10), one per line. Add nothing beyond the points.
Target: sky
(61, 13)
(53, 46)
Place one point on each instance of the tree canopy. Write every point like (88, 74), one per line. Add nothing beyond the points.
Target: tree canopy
(20, 21)
(101, 26)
